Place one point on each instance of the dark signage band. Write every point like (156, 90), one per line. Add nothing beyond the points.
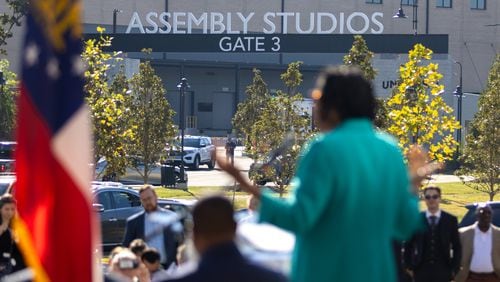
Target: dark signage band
(271, 43)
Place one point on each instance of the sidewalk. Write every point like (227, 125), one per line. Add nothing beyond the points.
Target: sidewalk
(444, 178)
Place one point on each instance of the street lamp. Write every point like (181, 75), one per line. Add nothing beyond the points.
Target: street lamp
(182, 86)
(459, 94)
(115, 11)
(401, 15)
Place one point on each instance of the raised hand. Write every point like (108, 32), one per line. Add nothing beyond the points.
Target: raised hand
(235, 172)
(419, 166)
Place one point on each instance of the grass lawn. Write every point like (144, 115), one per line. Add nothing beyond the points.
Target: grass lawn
(455, 196)
(240, 198)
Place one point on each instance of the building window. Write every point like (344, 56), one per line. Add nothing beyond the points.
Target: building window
(374, 1)
(408, 2)
(478, 4)
(443, 4)
(205, 107)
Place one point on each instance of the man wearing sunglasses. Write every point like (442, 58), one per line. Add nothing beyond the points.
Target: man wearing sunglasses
(434, 253)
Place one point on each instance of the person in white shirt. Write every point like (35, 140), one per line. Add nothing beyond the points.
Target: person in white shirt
(481, 249)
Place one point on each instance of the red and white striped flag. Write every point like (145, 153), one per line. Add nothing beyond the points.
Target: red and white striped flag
(56, 227)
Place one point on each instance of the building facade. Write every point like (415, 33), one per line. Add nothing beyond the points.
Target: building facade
(218, 74)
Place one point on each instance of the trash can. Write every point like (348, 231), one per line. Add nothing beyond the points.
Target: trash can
(167, 176)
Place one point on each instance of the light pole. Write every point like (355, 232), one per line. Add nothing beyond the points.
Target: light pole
(2, 81)
(411, 96)
(401, 15)
(459, 94)
(182, 89)
(115, 12)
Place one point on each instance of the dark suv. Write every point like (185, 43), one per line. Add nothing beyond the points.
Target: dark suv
(115, 203)
(470, 217)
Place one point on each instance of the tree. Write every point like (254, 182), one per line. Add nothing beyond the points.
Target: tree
(152, 119)
(279, 118)
(359, 55)
(251, 109)
(17, 10)
(109, 107)
(417, 111)
(8, 93)
(481, 155)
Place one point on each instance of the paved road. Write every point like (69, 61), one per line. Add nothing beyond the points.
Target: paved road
(206, 177)
(215, 177)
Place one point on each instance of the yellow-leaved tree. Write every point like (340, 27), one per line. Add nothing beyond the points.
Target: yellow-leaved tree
(417, 112)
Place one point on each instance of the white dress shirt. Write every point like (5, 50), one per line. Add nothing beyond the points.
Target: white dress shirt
(428, 214)
(481, 261)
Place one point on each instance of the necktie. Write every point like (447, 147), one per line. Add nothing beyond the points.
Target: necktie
(433, 219)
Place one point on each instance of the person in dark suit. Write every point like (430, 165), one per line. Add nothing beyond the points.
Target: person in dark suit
(213, 237)
(155, 226)
(434, 253)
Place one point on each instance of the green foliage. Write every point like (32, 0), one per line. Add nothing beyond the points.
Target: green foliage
(151, 119)
(280, 117)
(417, 111)
(359, 55)
(292, 77)
(381, 114)
(481, 155)
(8, 95)
(251, 109)
(17, 10)
(109, 106)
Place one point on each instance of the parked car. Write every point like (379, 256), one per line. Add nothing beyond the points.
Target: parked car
(115, 202)
(7, 162)
(198, 150)
(470, 217)
(6, 183)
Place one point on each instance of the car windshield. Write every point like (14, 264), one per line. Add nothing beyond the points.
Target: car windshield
(192, 142)
(7, 151)
(3, 188)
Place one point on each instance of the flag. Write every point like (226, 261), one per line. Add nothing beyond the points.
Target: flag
(56, 226)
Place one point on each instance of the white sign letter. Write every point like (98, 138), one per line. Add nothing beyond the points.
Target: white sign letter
(311, 24)
(320, 23)
(377, 23)
(135, 22)
(164, 21)
(245, 20)
(225, 47)
(364, 17)
(285, 21)
(216, 20)
(202, 19)
(270, 23)
(154, 25)
(178, 22)
(228, 25)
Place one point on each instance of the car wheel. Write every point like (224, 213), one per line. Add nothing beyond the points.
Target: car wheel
(211, 163)
(196, 163)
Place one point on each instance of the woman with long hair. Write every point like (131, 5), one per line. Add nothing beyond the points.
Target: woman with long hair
(10, 256)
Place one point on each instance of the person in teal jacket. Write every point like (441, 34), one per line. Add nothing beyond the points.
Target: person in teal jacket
(351, 194)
